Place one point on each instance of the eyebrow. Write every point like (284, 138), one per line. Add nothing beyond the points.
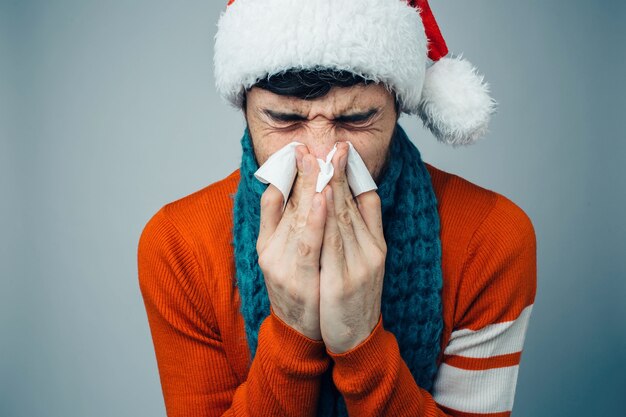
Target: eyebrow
(344, 118)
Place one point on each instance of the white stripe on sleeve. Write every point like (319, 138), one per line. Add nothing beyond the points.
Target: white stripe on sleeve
(492, 340)
(489, 391)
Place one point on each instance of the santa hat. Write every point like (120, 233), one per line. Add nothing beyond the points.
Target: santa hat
(395, 42)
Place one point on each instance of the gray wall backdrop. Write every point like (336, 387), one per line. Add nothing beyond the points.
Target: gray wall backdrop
(108, 111)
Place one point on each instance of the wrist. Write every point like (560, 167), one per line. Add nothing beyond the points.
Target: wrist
(357, 337)
(360, 369)
(290, 351)
(313, 334)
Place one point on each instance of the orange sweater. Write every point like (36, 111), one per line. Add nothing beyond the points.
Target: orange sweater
(187, 274)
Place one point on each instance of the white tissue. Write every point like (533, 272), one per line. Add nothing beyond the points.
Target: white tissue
(280, 170)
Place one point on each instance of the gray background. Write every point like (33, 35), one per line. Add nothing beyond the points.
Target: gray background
(108, 111)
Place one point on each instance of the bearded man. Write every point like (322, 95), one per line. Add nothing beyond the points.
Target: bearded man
(354, 278)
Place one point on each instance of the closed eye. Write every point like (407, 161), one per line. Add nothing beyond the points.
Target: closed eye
(292, 119)
(284, 117)
(357, 118)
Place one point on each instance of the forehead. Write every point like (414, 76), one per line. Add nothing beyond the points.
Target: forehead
(339, 100)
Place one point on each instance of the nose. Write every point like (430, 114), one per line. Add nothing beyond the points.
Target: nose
(321, 142)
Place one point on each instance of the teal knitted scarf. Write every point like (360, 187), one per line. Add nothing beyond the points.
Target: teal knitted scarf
(411, 299)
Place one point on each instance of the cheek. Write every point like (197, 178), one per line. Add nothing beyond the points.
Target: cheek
(267, 144)
(265, 141)
(373, 151)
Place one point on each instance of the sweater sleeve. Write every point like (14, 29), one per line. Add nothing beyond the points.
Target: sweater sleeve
(478, 374)
(196, 376)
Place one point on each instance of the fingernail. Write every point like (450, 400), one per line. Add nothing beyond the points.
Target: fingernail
(307, 164)
(317, 201)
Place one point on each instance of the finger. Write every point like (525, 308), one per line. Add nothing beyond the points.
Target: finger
(369, 206)
(276, 226)
(309, 242)
(294, 216)
(271, 213)
(361, 230)
(301, 150)
(332, 257)
(307, 187)
(344, 204)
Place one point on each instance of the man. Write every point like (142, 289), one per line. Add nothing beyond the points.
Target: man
(409, 300)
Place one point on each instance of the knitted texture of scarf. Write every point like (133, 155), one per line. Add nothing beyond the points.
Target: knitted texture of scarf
(411, 298)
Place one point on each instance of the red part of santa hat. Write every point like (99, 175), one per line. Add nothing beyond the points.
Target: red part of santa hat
(437, 47)
(380, 40)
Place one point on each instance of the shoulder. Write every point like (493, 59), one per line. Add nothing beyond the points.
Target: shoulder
(471, 213)
(206, 207)
(201, 220)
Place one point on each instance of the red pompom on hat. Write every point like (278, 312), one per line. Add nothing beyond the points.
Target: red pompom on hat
(395, 42)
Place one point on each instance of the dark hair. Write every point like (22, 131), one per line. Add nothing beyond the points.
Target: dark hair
(308, 84)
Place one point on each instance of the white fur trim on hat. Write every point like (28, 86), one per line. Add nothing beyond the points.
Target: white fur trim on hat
(380, 40)
(456, 105)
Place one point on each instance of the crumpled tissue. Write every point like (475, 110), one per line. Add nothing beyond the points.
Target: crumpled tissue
(280, 170)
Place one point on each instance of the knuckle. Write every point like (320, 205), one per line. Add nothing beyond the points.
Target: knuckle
(378, 260)
(291, 204)
(336, 242)
(304, 249)
(370, 200)
(264, 262)
(293, 229)
(373, 254)
(299, 221)
(344, 217)
(266, 255)
(373, 198)
(349, 200)
(269, 199)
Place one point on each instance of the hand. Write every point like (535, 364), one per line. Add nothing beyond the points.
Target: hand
(289, 246)
(352, 262)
